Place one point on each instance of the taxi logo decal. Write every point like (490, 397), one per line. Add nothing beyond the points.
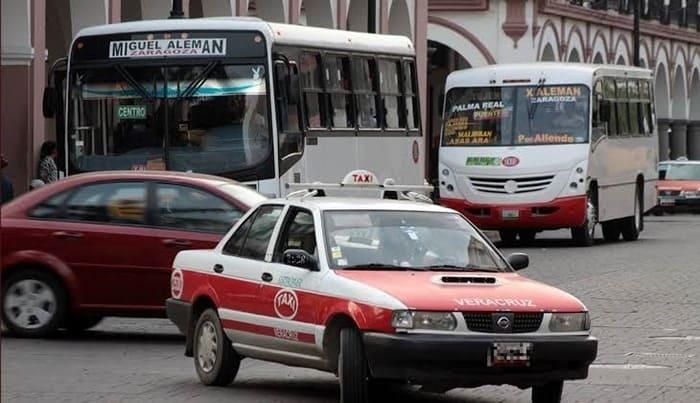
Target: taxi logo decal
(286, 303)
(510, 161)
(176, 283)
(495, 302)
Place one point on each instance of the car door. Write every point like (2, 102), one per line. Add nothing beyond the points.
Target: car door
(244, 258)
(289, 291)
(103, 236)
(185, 217)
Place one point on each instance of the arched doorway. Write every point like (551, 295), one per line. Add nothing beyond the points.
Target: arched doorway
(548, 54)
(317, 13)
(574, 57)
(598, 59)
(694, 117)
(442, 60)
(679, 105)
(269, 10)
(357, 16)
(662, 107)
(399, 19)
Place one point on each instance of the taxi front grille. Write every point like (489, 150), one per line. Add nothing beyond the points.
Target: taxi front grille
(486, 322)
(521, 184)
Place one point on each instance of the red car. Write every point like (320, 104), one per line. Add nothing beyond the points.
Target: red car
(679, 186)
(103, 244)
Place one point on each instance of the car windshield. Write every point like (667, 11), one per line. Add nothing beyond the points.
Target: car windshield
(209, 118)
(406, 240)
(683, 172)
(520, 115)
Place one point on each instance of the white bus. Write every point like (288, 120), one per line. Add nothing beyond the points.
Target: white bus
(265, 104)
(540, 146)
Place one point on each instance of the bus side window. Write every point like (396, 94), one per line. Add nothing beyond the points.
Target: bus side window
(364, 81)
(337, 78)
(647, 127)
(634, 104)
(312, 89)
(288, 114)
(391, 94)
(621, 107)
(411, 100)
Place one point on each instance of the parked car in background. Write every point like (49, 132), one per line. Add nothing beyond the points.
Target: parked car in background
(102, 244)
(679, 186)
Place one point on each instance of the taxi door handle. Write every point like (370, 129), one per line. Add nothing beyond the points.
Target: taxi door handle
(266, 277)
(218, 268)
(67, 235)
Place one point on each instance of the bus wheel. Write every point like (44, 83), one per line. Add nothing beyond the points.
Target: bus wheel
(632, 226)
(507, 236)
(585, 234)
(611, 231)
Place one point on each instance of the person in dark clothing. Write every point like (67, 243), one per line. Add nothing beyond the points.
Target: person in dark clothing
(48, 170)
(7, 192)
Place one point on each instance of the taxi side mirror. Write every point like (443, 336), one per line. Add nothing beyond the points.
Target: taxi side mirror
(300, 258)
(518, 261)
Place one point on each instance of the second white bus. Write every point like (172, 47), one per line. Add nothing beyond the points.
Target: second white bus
(541, 146)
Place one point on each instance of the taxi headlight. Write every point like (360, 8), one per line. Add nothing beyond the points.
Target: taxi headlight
(569, 322)
(423, 320)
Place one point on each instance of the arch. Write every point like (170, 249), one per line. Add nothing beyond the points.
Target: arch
(318, 13)
(662, 47)
(153, 9)
(680, 56)
(600, 47)
(694, 110)
(662, 92)
(270, 10)
(59, 33)
(400, 19)
(357, 16)
(574, 56)
(131, 10)
(575, 46)
(645, 54)
(598, 58)
(195, 9)
(213, 8)
(550, 37)
(679, 94)
(458, 38)
(548, 54)
(622, 50)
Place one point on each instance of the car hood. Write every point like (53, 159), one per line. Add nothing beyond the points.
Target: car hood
(478, 292)
(679, 185)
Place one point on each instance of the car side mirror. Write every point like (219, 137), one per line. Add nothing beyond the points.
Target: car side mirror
(518, 261)
(300, 258)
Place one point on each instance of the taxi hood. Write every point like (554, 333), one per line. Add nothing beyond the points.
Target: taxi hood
(692, 185)
(465, 291)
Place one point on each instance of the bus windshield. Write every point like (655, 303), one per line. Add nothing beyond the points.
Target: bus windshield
(208, 117)
(517, 115)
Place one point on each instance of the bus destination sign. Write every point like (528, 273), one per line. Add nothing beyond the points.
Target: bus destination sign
(167, 47)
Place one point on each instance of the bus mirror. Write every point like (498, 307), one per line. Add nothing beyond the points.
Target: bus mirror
(49, 102)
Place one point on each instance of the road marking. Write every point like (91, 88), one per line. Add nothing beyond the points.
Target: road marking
(680, 338)
(628, 366)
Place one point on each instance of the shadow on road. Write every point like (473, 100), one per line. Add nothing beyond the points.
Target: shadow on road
(112, 336)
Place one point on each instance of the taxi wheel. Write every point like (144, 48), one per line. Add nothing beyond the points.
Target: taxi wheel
(611, 231)
(215, 360)
(81, 323)
(352, 368)
(548, 393)
(33, 303)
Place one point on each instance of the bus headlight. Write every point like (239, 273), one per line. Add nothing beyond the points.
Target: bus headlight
(421, 320)
(569, 322)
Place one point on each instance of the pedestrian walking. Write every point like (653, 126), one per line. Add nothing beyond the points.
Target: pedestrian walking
(7, 191)
(48, 170)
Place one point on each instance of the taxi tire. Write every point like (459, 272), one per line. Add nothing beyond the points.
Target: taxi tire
(59, 293)
(353, 371)
(227, 360)
(548, 393)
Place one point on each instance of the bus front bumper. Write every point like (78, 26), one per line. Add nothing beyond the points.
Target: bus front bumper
(564, 212)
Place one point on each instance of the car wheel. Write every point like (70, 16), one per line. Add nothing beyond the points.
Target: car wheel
(34, 303)
(81, 323)
(632, 226)
(527, 236)
(507, 236)
(352, 368)
(611, 231)
(585, 234)
(215, 359)
(548, 393)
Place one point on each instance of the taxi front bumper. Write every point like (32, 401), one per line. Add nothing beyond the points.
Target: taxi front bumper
(461, 361)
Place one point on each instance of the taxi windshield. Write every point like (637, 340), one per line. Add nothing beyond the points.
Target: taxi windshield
(683, 172)
(407, 240)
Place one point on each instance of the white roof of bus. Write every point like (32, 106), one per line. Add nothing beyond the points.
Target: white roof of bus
(554, 73)
(279, 33)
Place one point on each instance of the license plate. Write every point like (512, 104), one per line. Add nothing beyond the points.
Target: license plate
(667, 202)
(509, 355)
(510, 214)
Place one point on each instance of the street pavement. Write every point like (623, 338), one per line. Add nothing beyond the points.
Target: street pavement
(643, 297)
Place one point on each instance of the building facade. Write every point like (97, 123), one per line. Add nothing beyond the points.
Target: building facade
(475, 33)
(35, 33)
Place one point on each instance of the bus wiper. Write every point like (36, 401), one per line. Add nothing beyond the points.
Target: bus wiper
(532, 109)
(451, 267)
(133, 83)
(381, 266)
(198, 81)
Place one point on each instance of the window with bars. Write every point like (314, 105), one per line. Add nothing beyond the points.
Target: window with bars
(364, 77)
(339, 89)
(312, 90)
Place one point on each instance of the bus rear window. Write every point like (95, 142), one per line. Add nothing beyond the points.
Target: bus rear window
(518, 115)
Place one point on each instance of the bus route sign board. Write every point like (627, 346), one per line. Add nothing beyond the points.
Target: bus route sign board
(132, 112)
(167, 47)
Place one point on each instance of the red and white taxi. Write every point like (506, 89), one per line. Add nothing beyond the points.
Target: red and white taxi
(373, 291)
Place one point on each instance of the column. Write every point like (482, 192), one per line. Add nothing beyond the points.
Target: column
(679, 138)
(694, 140)
(662, 127)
